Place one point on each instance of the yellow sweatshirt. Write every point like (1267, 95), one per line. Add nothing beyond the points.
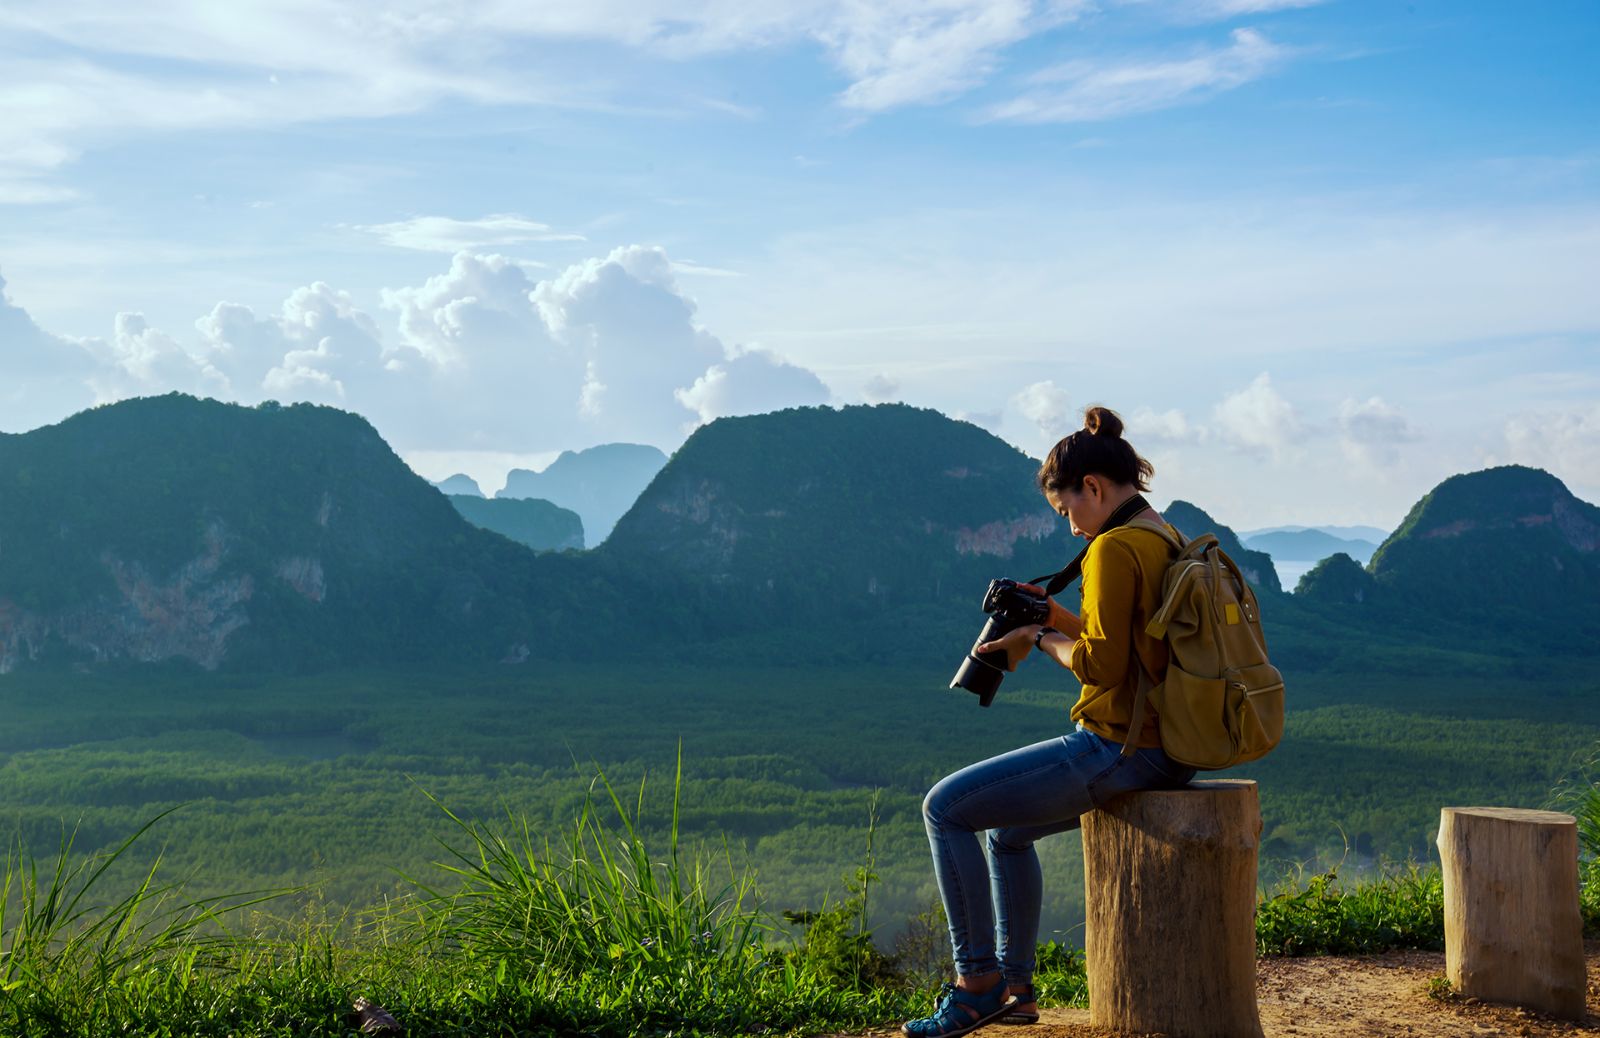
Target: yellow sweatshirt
(1122, 576)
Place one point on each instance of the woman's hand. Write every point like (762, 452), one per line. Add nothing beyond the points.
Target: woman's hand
(1015, 645)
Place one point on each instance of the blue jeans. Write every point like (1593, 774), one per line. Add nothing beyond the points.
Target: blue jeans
(1020, 797)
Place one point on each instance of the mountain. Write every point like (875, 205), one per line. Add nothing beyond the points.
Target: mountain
(600, 483)
(1308, 546)
(1337, 579)
(1353, 533)
(540, 525)
(459, 484)
(1506, 552)
(1257, 568)
(170, 527)
(838, 519)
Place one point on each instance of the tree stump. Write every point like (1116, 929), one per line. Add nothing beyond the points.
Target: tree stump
(1512, 928)
(1170, 936)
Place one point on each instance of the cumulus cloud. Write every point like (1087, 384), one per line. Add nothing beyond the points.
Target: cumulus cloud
(1088, 91)
(314, 348)
(1258, 419)
(880, 389)
(444, 234)
(754, 382)
(1565, 442)
(1371, 432)
(1046, 405)
(43, 377)
(1165, 427)
(480, 358)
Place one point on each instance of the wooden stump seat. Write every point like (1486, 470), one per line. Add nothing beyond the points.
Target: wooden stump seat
(1512, 927)
(1170, 885)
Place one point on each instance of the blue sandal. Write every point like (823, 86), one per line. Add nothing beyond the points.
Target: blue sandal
(951, 1016)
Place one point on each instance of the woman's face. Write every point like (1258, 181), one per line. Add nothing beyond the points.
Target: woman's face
(1086, 509)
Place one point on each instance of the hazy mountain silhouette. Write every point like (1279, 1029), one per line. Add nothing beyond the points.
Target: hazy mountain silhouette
(1308, 545)
(600, 483)
(460, 484)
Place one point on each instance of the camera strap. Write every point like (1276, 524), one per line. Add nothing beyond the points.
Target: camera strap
(1055, 583)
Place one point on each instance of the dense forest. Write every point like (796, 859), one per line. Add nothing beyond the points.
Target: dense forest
(325, 780)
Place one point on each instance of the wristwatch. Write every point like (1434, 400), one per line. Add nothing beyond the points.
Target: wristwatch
(1038, 639)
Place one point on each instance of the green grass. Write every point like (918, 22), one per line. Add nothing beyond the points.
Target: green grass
(591, 929)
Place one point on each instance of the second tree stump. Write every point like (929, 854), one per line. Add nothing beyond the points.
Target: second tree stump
(1512, 927)
(1170, 886)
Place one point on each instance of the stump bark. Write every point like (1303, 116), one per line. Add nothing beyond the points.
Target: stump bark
(1512, 928)
(1170, 937)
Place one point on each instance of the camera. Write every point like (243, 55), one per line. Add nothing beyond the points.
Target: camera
(1009, 606)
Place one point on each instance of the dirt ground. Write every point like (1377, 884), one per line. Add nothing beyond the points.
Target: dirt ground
(1378, 995)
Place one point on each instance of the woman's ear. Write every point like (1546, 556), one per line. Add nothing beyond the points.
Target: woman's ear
(1093, 487)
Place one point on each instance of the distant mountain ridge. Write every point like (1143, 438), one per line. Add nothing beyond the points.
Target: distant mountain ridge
(174, 528)
(1309, 546)
(460, 483)
(600, 483)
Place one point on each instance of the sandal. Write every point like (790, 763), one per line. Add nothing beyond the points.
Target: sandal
(958, 1012)
(1018, 1016)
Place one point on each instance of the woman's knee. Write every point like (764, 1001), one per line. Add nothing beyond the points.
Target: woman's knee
(939, 807)
(1010, 841)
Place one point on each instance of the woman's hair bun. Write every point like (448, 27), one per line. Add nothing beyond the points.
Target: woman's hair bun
(1102, 421)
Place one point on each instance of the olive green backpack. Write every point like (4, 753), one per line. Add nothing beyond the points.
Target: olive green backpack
(1221, 702)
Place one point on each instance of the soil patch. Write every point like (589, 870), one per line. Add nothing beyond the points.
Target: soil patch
(1354, 997)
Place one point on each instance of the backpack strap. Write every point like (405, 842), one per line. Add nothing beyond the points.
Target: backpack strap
(1143, 683)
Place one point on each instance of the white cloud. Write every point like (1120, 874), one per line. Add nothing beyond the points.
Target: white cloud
(1565, 442)
(1371, 432)
(880, 389)
(1046, 405)
(43, 377)
(1088, 91)
(1164, 427)
(754, 382)
(266, 65)
(1258, 419)
(909, 52)
(444, 234)
(481, 359)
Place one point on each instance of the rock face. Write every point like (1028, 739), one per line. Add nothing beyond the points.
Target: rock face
(600, 484)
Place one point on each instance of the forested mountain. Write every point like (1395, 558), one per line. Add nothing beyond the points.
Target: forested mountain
(1502, 551)
(538, 524)
(600, 483)
(175, 528)
(171, 527)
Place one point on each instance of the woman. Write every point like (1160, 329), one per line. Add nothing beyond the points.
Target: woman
(1093, 478)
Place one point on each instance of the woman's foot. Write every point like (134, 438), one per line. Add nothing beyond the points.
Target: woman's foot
(1023, 1009)
(961, 1011)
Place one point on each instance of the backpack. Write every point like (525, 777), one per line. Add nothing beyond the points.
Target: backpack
(1221, 702)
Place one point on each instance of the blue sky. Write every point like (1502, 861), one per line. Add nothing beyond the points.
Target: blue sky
(1321, 254)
